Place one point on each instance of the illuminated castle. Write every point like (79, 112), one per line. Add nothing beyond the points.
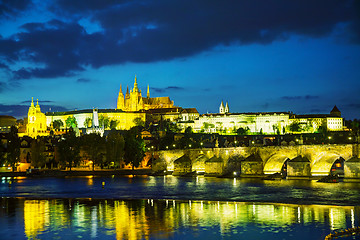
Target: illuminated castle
(133, 100)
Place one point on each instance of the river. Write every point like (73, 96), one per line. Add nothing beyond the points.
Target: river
(164, 207)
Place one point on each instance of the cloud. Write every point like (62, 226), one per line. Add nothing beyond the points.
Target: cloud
(41, 101)
(169, 88)
(294, 98)
(3, 86)
(354, 106)
(20, 111)
(141, 32)
(83, 80)
(315, 110)
(10, 8)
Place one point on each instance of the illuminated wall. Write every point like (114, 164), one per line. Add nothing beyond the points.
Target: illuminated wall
(125, 119)
(267, 123)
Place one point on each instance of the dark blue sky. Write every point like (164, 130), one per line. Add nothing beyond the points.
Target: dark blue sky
(259, 55)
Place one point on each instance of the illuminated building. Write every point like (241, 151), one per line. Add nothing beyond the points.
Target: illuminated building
(265, 122)
(133, 100)
(36, 125)
(6, 122)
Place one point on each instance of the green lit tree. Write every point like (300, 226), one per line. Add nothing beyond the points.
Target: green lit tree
(71, 122)
(104, 121)
(88, 122)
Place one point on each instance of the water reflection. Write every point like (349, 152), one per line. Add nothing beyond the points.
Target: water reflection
(145, 219)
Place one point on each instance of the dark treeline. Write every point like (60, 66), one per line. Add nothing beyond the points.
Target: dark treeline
(115, 150)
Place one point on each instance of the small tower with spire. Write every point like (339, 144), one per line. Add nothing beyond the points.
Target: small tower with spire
(227, 108)
(148, 92)
(335, 112)
(222, 108)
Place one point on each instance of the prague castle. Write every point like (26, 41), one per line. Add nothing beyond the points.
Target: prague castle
(134, 106)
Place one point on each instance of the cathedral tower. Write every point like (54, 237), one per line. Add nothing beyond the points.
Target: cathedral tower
(120, 100)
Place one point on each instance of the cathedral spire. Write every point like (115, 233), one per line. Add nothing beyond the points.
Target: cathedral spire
(127, 92)
(148, 92)
(32, 102)
(135, 86)
(120, 89)
(37, 103)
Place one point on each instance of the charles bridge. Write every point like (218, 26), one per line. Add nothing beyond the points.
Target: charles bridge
(298, 161)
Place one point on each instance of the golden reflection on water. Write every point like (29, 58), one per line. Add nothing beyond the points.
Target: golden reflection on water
(159, 219)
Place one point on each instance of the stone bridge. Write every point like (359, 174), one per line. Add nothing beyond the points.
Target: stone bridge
(293, 161)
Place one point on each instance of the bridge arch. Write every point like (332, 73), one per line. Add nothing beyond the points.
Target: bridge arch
(199, 163)
(275, 164)
(325, 163)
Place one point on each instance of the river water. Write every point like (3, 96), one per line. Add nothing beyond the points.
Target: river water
(170, 207)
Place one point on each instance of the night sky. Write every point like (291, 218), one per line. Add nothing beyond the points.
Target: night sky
(259, 55)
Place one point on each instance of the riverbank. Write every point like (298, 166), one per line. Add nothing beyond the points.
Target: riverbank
(61, 173)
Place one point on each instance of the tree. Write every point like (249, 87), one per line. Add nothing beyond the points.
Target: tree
(115, 144)
(242, 131)
(275, 129)
(113, 124)
(134, 148)
(188, 130)
(104, 121)
(139, 122)
(71, 122)
(294, 127)
(13, 148)
(94, 146)
(2, 154)
(38, 156)
(88, 122)
(69, 150)
(57, 124)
